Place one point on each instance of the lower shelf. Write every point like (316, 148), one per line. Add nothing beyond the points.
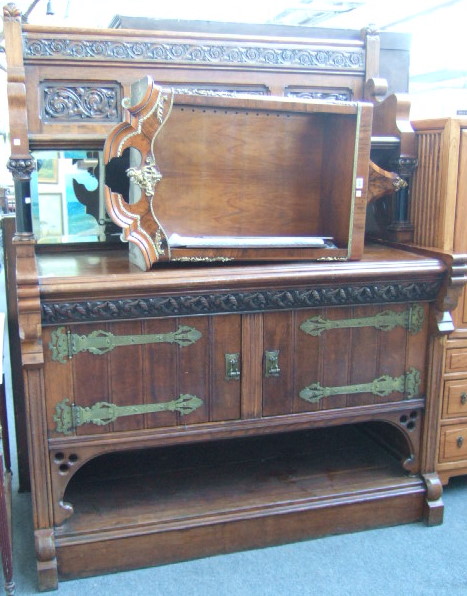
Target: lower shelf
(176, 503)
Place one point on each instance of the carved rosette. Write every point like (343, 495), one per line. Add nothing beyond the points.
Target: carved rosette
(22, 168)
(90, 102)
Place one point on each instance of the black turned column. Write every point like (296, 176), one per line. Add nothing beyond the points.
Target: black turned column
(21, 169)
(401, 225)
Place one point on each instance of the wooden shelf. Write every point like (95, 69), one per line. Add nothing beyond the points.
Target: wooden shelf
(278, 488)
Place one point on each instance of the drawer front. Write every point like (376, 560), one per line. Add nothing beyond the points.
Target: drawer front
(456, 360)
(455, 399)
(453, 444)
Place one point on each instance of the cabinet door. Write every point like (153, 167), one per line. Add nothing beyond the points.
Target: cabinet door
(134, 375)
(343, 357)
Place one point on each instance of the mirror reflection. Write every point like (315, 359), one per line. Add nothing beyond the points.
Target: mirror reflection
(67, 194)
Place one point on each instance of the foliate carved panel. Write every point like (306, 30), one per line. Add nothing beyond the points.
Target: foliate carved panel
(217, 91)
(315, 57)
(258, 301)
(99, 102)
(317, 93)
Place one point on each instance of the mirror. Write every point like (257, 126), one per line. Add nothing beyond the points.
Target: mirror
(67, 196)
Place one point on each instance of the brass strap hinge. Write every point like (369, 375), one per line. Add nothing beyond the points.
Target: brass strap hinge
(411, 319)
(64, 344)
(68, 417)
(408, 383)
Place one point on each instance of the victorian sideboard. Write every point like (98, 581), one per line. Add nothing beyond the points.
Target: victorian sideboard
(207, 405)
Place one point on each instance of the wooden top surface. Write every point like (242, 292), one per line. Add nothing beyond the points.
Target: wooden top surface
(110, 272)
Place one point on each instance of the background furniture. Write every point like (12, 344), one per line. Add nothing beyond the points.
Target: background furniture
(439, 212)
(5, 480)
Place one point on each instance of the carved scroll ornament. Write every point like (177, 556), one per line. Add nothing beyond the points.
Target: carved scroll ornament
(138, 220)
(96, 102)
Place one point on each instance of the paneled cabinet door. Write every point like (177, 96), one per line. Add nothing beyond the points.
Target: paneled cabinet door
(131, 375)
(342, 357)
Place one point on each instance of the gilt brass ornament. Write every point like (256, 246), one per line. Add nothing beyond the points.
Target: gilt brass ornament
(68, 417)
(64, 344)
(410, 319)
(408, 383)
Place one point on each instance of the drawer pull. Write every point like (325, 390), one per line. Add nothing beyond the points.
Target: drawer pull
(463, 398)
(232, 366)
(460, 441)
(271, 363)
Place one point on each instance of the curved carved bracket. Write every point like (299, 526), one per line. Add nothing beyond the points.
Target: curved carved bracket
(391, 117)
(140, 225)
(382, 182)
(450, 292)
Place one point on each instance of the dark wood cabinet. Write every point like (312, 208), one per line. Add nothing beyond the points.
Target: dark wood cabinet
(201, 410)
(209, 405)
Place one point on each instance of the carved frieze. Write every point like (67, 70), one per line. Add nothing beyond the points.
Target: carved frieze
(314, 57)
(232, 302)
(99, 102)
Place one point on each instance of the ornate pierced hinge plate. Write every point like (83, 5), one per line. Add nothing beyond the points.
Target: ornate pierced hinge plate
(411, 319)
(64, 344)
(408, 383)
(68, 416)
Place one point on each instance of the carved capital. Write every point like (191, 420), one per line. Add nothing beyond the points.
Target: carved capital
(21, 169)
(11, 12)
(370, 29)
(404, 166)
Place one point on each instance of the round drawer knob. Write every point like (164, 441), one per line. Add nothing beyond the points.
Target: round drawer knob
(460, 441)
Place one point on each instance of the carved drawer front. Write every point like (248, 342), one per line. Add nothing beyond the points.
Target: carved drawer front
(455, 398)
(343, 357)
(134, 375)
(456, 360)
(453, 443)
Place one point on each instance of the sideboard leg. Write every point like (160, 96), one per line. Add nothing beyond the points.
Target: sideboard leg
(434, 506)
(46, 560)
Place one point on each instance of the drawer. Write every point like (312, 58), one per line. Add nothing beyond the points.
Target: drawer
(455, 398)
(453, 444)
(456, 360)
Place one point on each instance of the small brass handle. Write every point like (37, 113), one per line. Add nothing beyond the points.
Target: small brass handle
(271, 363)
(464, 398)
(232, 366)
(460, 442)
